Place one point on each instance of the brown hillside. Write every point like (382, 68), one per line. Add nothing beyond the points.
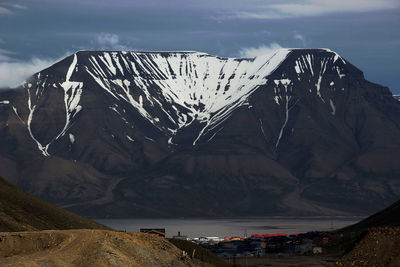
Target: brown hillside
(374, 241)
(20, 211)
(380, 247)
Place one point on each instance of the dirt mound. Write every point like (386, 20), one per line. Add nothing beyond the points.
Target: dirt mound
(88, 248)
(380, 247)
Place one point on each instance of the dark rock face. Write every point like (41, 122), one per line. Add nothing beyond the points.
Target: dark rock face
(130, 134)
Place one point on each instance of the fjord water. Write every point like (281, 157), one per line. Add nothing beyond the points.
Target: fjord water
(222, 227)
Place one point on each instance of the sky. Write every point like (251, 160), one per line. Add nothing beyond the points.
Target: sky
(36, 33)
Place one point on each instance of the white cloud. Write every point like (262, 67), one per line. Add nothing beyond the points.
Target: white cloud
(19, 6)
(251, 52)
(5, 55)
(301, 38)
(109, 41)
(306, 8)
(4, 10)
(14, 73)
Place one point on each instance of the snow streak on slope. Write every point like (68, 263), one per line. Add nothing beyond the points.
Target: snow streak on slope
(184, 86)
(285, 83)
(32, 108)
(72, 94)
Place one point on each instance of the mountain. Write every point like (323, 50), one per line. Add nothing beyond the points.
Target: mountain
(161, 134)
(20, 211)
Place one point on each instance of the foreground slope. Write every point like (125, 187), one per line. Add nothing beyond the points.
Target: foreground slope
(20, 211)
(298, 131)
(386, 218)
(89, 248)
(379, 247)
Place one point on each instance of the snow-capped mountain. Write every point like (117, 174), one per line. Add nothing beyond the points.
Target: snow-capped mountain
(169, 90)
(119, 130)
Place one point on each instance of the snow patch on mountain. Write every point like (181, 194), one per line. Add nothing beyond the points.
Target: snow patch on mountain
(32, 108)
(173, 90)
(72, 96)
(288, 91)
(185, 86)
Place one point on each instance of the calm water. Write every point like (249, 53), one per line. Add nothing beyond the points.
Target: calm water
(233, 226)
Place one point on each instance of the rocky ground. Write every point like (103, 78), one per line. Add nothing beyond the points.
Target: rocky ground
(380, 247)
(88, 248)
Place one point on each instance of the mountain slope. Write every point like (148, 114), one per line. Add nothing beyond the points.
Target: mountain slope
(20, 211)
(387, 217)
(373, 241)
(297, 131)
(378, 247)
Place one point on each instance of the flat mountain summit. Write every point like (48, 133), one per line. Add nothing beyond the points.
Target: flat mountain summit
(163, 134)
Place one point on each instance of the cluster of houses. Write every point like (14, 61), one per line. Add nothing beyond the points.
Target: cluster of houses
(260, 245)
(257, 245)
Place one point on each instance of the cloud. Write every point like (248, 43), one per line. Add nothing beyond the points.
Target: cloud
(4, 11)
(301, 38)
(307, 8)
(6, 8)
(108, 41)
(14, 73)
(251, 52)
(5, 55)
(19, 6)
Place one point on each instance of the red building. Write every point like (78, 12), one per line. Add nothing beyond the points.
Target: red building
(157, 231)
